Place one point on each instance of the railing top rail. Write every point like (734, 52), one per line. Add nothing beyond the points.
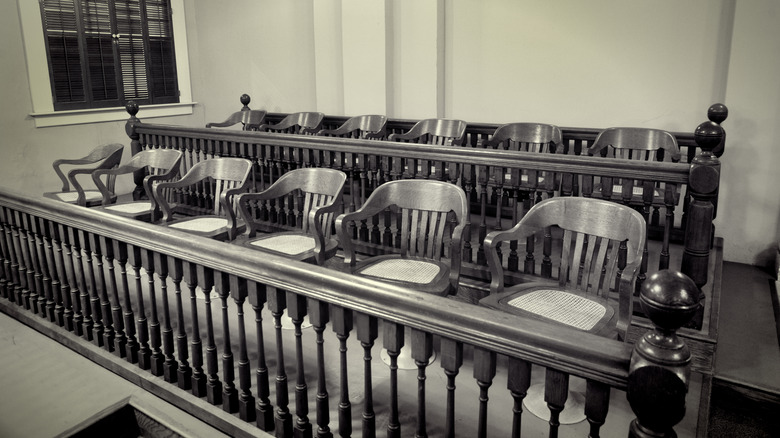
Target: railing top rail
(568, 350)
(618, 168)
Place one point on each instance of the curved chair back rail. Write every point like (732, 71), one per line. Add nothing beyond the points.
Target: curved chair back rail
(423, 211)
(365, 126)
(297, 123)
(637, 144)
(224, 176)
(600, 253)
(102, 157)
(443, 132)
(314, 197)
(249, 119)
(530, 137)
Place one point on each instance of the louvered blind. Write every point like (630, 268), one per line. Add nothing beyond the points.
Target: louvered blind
(103, 53)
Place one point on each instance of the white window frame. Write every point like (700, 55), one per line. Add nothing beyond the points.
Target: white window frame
(40, 85)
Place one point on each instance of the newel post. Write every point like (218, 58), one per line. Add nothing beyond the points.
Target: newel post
(703, 184)
(660, 366)
(245, 99)
(135, 147)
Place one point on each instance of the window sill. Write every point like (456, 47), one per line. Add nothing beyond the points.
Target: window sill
(76, 117)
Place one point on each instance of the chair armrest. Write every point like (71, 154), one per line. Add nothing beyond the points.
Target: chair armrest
(491, 242)
(186, 180)
(82, 199)
(98, 173)
(626, 286)
(232, 120)
(227, 199)
(315, 219)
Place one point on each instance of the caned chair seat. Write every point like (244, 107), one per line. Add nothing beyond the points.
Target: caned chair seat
(224, 178)
(313, 196)
(288, 244)
(404, 270)
(430, 218)
(600, 251)
(90, 196)
(130, 208)
(158, 165)
(200, 224)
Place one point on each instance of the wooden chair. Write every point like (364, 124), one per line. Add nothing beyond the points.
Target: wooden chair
(313, 198)
(220, 179)
(159, 164)
(641, 144)
(296, 123)
(249, 119)
(366, 126)
(600, 254)
(423, 207)
(102, 157)
(524, 137)
(442, 132)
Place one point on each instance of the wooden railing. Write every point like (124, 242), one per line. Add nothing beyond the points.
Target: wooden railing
(480, 172)
(147, 294)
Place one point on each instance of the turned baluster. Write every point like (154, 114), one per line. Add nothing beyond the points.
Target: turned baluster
(296, 310)
(22, 291)
(342, 325)
(319, 318)
(37, 295)
(120, 253)
(73, 312)
(120, 340)
(596, 406)
(183, 372)
(703, 184)
(483, 195)
(6, 273)
(51, 280)
(277, 302)
(90, 292)
(62, 293)
(556, 391)
(484, 372)
(256, 293)
(169, 364)
(213, 385)
(367, 332)
(422, 350)
(659, 372)
(246, 402)
(451, 361)
(98, 244)
(142, 325)
(229, 392)
(518, 382)
(393, 341)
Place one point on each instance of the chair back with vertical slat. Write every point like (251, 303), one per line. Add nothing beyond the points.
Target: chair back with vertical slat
(365, 126)
(443, 132)
(642, 144)
(249, 119)
(296, 123)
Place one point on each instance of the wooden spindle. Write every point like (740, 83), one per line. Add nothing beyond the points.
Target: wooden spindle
(53, 288)
(296, 310)
(596, 406)
(22, 287)
(73, 310)
(135, 260)
(393, 341)
(367, 332)
(319, 318)
(518, 382)
(660, 366)
(184, 371)
(556, 391)
(484, 372)
(119, 340)
(256, 293)
(102, 290)
(90, 302)
(342, 325)
(229, 392)
(213, 384)
(198, 380)
(133, 347)
(422, 350)
(38, 297)
(277, 302)
(169, 364)
(246, 402)
(5, 281)
(451, 361)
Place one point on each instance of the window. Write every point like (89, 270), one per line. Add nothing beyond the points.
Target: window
(103, 53)
(87, 58)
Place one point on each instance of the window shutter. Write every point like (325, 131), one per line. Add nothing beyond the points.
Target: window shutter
(105, 52)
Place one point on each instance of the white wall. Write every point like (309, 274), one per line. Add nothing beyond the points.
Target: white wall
(591, 64)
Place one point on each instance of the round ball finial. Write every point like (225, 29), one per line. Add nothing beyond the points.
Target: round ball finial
(669, 298)
(132, 108)
(245, 99)
(717, 112)
(708, 135)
